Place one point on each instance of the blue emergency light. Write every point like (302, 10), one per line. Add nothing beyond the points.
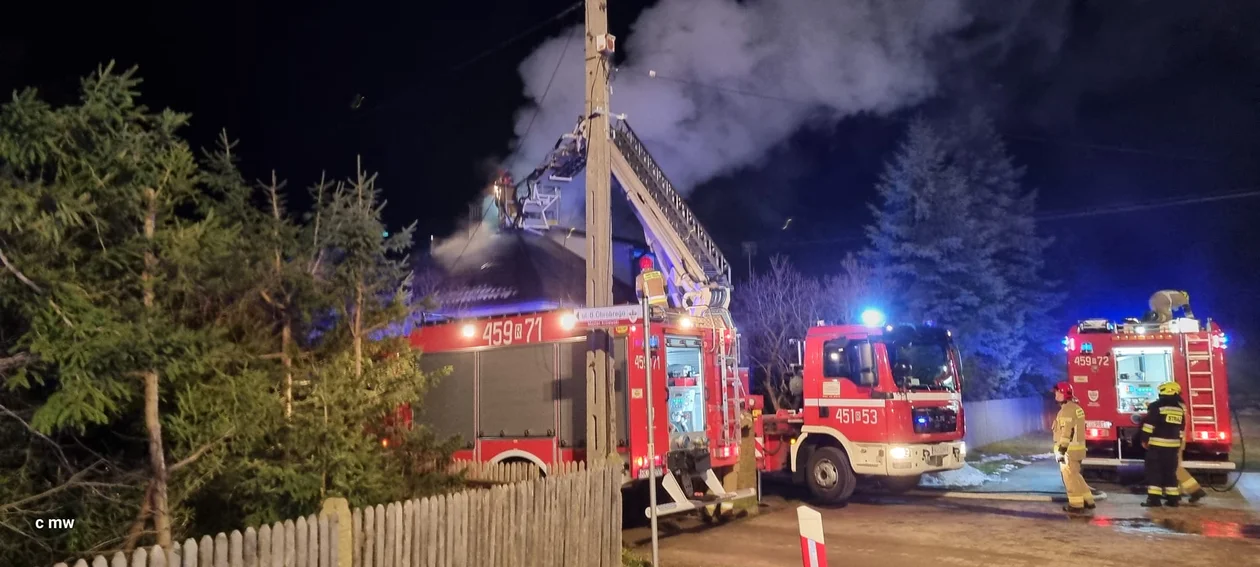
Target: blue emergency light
(873, 318)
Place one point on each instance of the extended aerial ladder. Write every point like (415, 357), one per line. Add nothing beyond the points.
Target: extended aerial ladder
(699, 276)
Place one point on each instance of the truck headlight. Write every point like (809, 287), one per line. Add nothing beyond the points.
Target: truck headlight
(899, 452)
(962, 448)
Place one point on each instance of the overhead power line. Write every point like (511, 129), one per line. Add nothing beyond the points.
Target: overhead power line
(528, 127)
(1119, 209)
(511, 40)
(538, 107)
(1242, 193)
(402, 94)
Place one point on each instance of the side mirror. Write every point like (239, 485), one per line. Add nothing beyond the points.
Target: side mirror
(866, 362)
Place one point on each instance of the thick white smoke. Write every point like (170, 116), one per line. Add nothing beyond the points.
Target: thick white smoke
(734, 79)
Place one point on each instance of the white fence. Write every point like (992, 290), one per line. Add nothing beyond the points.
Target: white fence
(990, 421)
(572, 518)
(308, 542)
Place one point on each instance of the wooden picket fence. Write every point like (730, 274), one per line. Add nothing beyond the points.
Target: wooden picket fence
(309, 542)
(565, 520)
(508, 472)
(571, 518)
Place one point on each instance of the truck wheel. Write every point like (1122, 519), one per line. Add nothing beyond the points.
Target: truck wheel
(898, 484)
(829, 476)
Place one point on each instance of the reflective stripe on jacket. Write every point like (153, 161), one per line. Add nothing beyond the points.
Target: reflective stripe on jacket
(1164, 424)
(1069, 426)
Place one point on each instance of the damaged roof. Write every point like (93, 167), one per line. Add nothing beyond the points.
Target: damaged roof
(516, 272)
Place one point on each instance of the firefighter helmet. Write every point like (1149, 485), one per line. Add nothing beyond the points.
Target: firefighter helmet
(1169, 389)
(1066, 388)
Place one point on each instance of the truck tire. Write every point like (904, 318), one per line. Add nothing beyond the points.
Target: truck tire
(899, 484)
(829, 476)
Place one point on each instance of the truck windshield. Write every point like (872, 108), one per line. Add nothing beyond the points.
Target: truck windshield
(922, 365)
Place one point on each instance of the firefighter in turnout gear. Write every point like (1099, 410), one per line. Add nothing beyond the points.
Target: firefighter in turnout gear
(1162, 435)
(1069, 448)
(1185, 482)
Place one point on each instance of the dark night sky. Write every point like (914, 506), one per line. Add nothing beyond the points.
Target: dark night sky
(1140, 102)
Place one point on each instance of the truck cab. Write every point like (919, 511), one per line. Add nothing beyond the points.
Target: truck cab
(882, 402)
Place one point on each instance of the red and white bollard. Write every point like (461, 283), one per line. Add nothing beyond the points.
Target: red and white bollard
(813, 550)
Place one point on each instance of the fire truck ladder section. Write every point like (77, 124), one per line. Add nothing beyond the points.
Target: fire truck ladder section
(1200, 382)
(700, 278)
(699, 273)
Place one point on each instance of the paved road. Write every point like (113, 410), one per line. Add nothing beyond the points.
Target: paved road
(881, 531)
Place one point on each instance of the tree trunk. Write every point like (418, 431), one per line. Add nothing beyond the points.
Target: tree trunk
(773, 391)
(152, 414)
(286, 337)
(286, 332)
(357, 330)
(142, 517)
(157, 459)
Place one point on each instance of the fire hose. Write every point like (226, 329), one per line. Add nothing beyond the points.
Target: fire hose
(1242, 448)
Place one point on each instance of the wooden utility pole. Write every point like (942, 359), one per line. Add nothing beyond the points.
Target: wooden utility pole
(600, 422)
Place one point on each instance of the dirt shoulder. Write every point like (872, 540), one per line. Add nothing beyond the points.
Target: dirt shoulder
(907, 532)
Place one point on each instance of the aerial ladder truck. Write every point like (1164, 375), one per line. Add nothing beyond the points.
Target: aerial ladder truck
(499, 363)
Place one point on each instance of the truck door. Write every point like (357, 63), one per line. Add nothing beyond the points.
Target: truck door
(849, 377)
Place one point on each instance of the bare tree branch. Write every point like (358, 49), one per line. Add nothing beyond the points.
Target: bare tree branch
(776, 307)
(72, 482)
(190, 459)
(56, 446)
(16, 361)
(13, 529)
(27, 281)
(18, 273)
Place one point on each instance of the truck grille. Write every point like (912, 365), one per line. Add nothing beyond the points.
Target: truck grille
(935, 420)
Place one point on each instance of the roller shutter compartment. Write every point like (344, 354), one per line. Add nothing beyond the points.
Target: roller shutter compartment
(448, 406)
(518, 391)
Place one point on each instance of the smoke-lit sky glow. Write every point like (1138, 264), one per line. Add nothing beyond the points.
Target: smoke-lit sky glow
(762, 109)
(813, 61)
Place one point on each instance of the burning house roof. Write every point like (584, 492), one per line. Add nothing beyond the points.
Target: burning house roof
(512, 272)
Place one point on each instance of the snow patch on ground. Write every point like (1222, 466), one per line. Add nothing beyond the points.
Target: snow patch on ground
(966, 476)
(1041, 457)
(996, 457)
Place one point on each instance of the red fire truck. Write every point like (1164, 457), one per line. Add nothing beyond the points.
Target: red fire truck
(516, 391)
(875, 401)
(1115, 369)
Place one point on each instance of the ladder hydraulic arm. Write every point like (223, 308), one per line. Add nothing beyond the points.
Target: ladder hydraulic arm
(699, 274)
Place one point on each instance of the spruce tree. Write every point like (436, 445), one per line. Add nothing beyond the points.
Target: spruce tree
(120, 265)
(938, 256)
(1007, 209)
(180, 355)
(333, 297)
